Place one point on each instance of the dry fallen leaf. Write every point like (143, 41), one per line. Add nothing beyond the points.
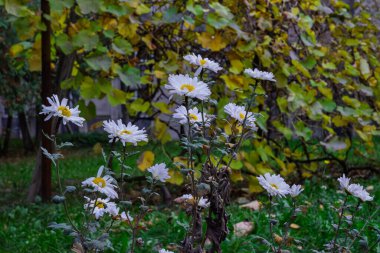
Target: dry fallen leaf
(253, 205)
(294, 226)
(278, 239)
(77, 248)
(243, 228)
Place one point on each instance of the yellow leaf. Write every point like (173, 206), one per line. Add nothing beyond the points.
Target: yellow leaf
(253, 184)
(162, 106)
(214, 42)
(126, 29)
(148, 41)
(234, 82)
(236, 176)
(236, 66)
(160, 131)
(145, 160)
(175, 177)
(326, 92)
(16, 49)
(97, 149)
(339, 121)
(160, 74)
(35, 63)
(306, 174)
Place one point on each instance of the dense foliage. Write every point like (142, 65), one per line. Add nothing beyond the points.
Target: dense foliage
(323, 54)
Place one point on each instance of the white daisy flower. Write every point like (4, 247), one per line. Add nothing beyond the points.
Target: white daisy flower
(125, 133)
(184, 85)
(295, 190)
(202, 63)
(358, 191)
(181, 114)
(344, 182)
(101, 184)
(99, 207)
(126, 217)
(189, 199)
(238, 112)
(159, 172)
(275, 185)
(203, 202)
(165, 251)
(62, 110)
(257, 74)
(112, 209)
(112, 129)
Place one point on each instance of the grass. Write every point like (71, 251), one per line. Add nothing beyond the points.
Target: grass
(23, 227)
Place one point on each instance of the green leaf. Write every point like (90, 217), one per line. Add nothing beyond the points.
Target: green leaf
(89, 89)
(171, 15)
(99, 62)
(216, 21)
(88, 6)
(162, 106)
(364, 68)
(197, 9)
(329, 65)
(130, 76)
(122, 46)
(301, 68)
(309, 63)
(87, 111)
(63, 42)
(222, 10)
(117, 97)
(86, 39)
(60, 5)
(17, 8)
(142, 9)
(139, 105)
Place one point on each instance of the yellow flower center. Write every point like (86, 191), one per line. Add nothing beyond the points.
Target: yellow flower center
(274, 186)
(241, 115)
(202, 62)
(193, 116)
(99, 181)
(65, 111)
(188, 87)
(125, 132)
(99, 204)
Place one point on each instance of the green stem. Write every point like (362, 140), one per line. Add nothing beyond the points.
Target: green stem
(271, 224)
(339, 223)
(122, 174)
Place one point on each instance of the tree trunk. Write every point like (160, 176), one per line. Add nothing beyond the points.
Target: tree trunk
(26, 139)
(46, 91)
(7, 135)
(63, 71)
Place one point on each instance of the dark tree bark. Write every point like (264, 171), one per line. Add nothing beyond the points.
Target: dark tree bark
(26, 139)
(7, 135)
(64, 68)
(46, 91)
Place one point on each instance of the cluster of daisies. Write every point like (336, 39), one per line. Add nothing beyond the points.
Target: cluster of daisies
(104, 185)
(275, 185)
(107, 185)
(192, 87)
(355, 190)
